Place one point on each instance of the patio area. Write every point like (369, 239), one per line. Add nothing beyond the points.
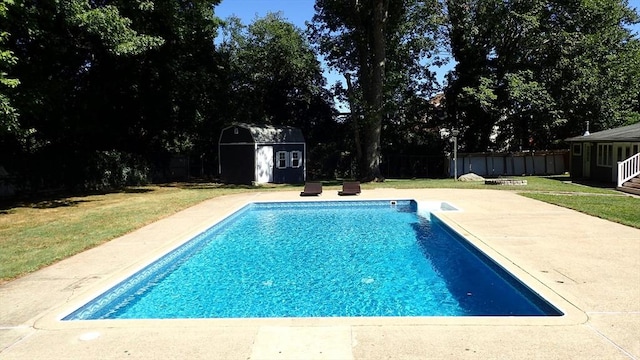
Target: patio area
(587, 267)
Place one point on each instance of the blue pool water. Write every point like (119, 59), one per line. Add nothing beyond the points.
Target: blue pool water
(320, 259)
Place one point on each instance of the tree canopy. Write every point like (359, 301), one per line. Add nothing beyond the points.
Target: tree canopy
(102, 94)
(276, 77)
(531, 73)
(98, 82)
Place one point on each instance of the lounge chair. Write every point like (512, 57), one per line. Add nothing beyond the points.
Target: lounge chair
(350, 188)
(312, 189)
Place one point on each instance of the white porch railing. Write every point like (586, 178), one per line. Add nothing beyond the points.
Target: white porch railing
(628, 169)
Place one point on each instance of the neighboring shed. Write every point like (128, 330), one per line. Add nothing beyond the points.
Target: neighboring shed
(595, 156)
(250, 153)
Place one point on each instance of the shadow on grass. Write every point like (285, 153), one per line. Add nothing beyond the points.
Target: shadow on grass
(207, 185)
(583, 182)
(197, 185)
(561, 178)
(133, 190)
(52, 204)
(51, 199)
(56, 198)
(38, 203)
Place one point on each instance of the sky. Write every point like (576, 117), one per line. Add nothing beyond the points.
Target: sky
(296, 11)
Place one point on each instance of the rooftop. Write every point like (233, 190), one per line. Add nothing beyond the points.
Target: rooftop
(629, 133)
(271, 133)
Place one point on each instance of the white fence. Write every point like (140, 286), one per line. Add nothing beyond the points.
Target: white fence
(512, 164)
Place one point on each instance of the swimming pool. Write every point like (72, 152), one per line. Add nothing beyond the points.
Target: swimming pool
(321, 259)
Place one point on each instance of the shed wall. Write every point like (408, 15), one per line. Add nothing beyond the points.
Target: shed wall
(290, 175)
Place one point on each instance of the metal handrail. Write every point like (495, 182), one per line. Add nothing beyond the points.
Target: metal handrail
(628, 169)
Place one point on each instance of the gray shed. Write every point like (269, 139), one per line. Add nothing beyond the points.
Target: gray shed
(249, 153)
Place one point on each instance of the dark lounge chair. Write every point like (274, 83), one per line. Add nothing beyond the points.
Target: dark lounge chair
(350, 188)
(312, 189)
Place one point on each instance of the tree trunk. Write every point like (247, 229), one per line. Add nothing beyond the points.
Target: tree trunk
(354, 116)
(372, 55)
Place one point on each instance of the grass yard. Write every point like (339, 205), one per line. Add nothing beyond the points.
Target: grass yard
(558, 184)
(34, 235)
(37, 234)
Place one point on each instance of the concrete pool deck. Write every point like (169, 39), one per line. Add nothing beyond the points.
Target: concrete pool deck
(588, 267)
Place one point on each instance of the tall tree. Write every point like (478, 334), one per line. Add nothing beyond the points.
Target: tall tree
(381, 43)
(359, 46)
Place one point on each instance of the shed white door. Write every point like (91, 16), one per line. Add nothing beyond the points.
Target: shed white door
(264, 164)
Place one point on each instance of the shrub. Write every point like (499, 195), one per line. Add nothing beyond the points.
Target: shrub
(112, 169)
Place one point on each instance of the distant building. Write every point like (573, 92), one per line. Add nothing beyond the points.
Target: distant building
(595, 156)
(258, 154)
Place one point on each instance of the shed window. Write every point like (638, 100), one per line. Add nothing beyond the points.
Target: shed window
(281, 159)
(296, 159)
(577, 149)
(605, 155)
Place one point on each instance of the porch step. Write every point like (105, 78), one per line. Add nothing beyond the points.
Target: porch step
(632, 186)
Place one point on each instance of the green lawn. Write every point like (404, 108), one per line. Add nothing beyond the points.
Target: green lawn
(621, 209)
(37, 234)
(34, 235)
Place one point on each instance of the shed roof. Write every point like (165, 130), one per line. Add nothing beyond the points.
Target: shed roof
(624, 133)
(271, 133)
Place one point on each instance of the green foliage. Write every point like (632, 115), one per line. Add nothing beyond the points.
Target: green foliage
(483, 94)
(274, 70)
(535, 71)
(106, 170)
(110, 27)
(127, 77)
(122, 80)
(8, 114)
